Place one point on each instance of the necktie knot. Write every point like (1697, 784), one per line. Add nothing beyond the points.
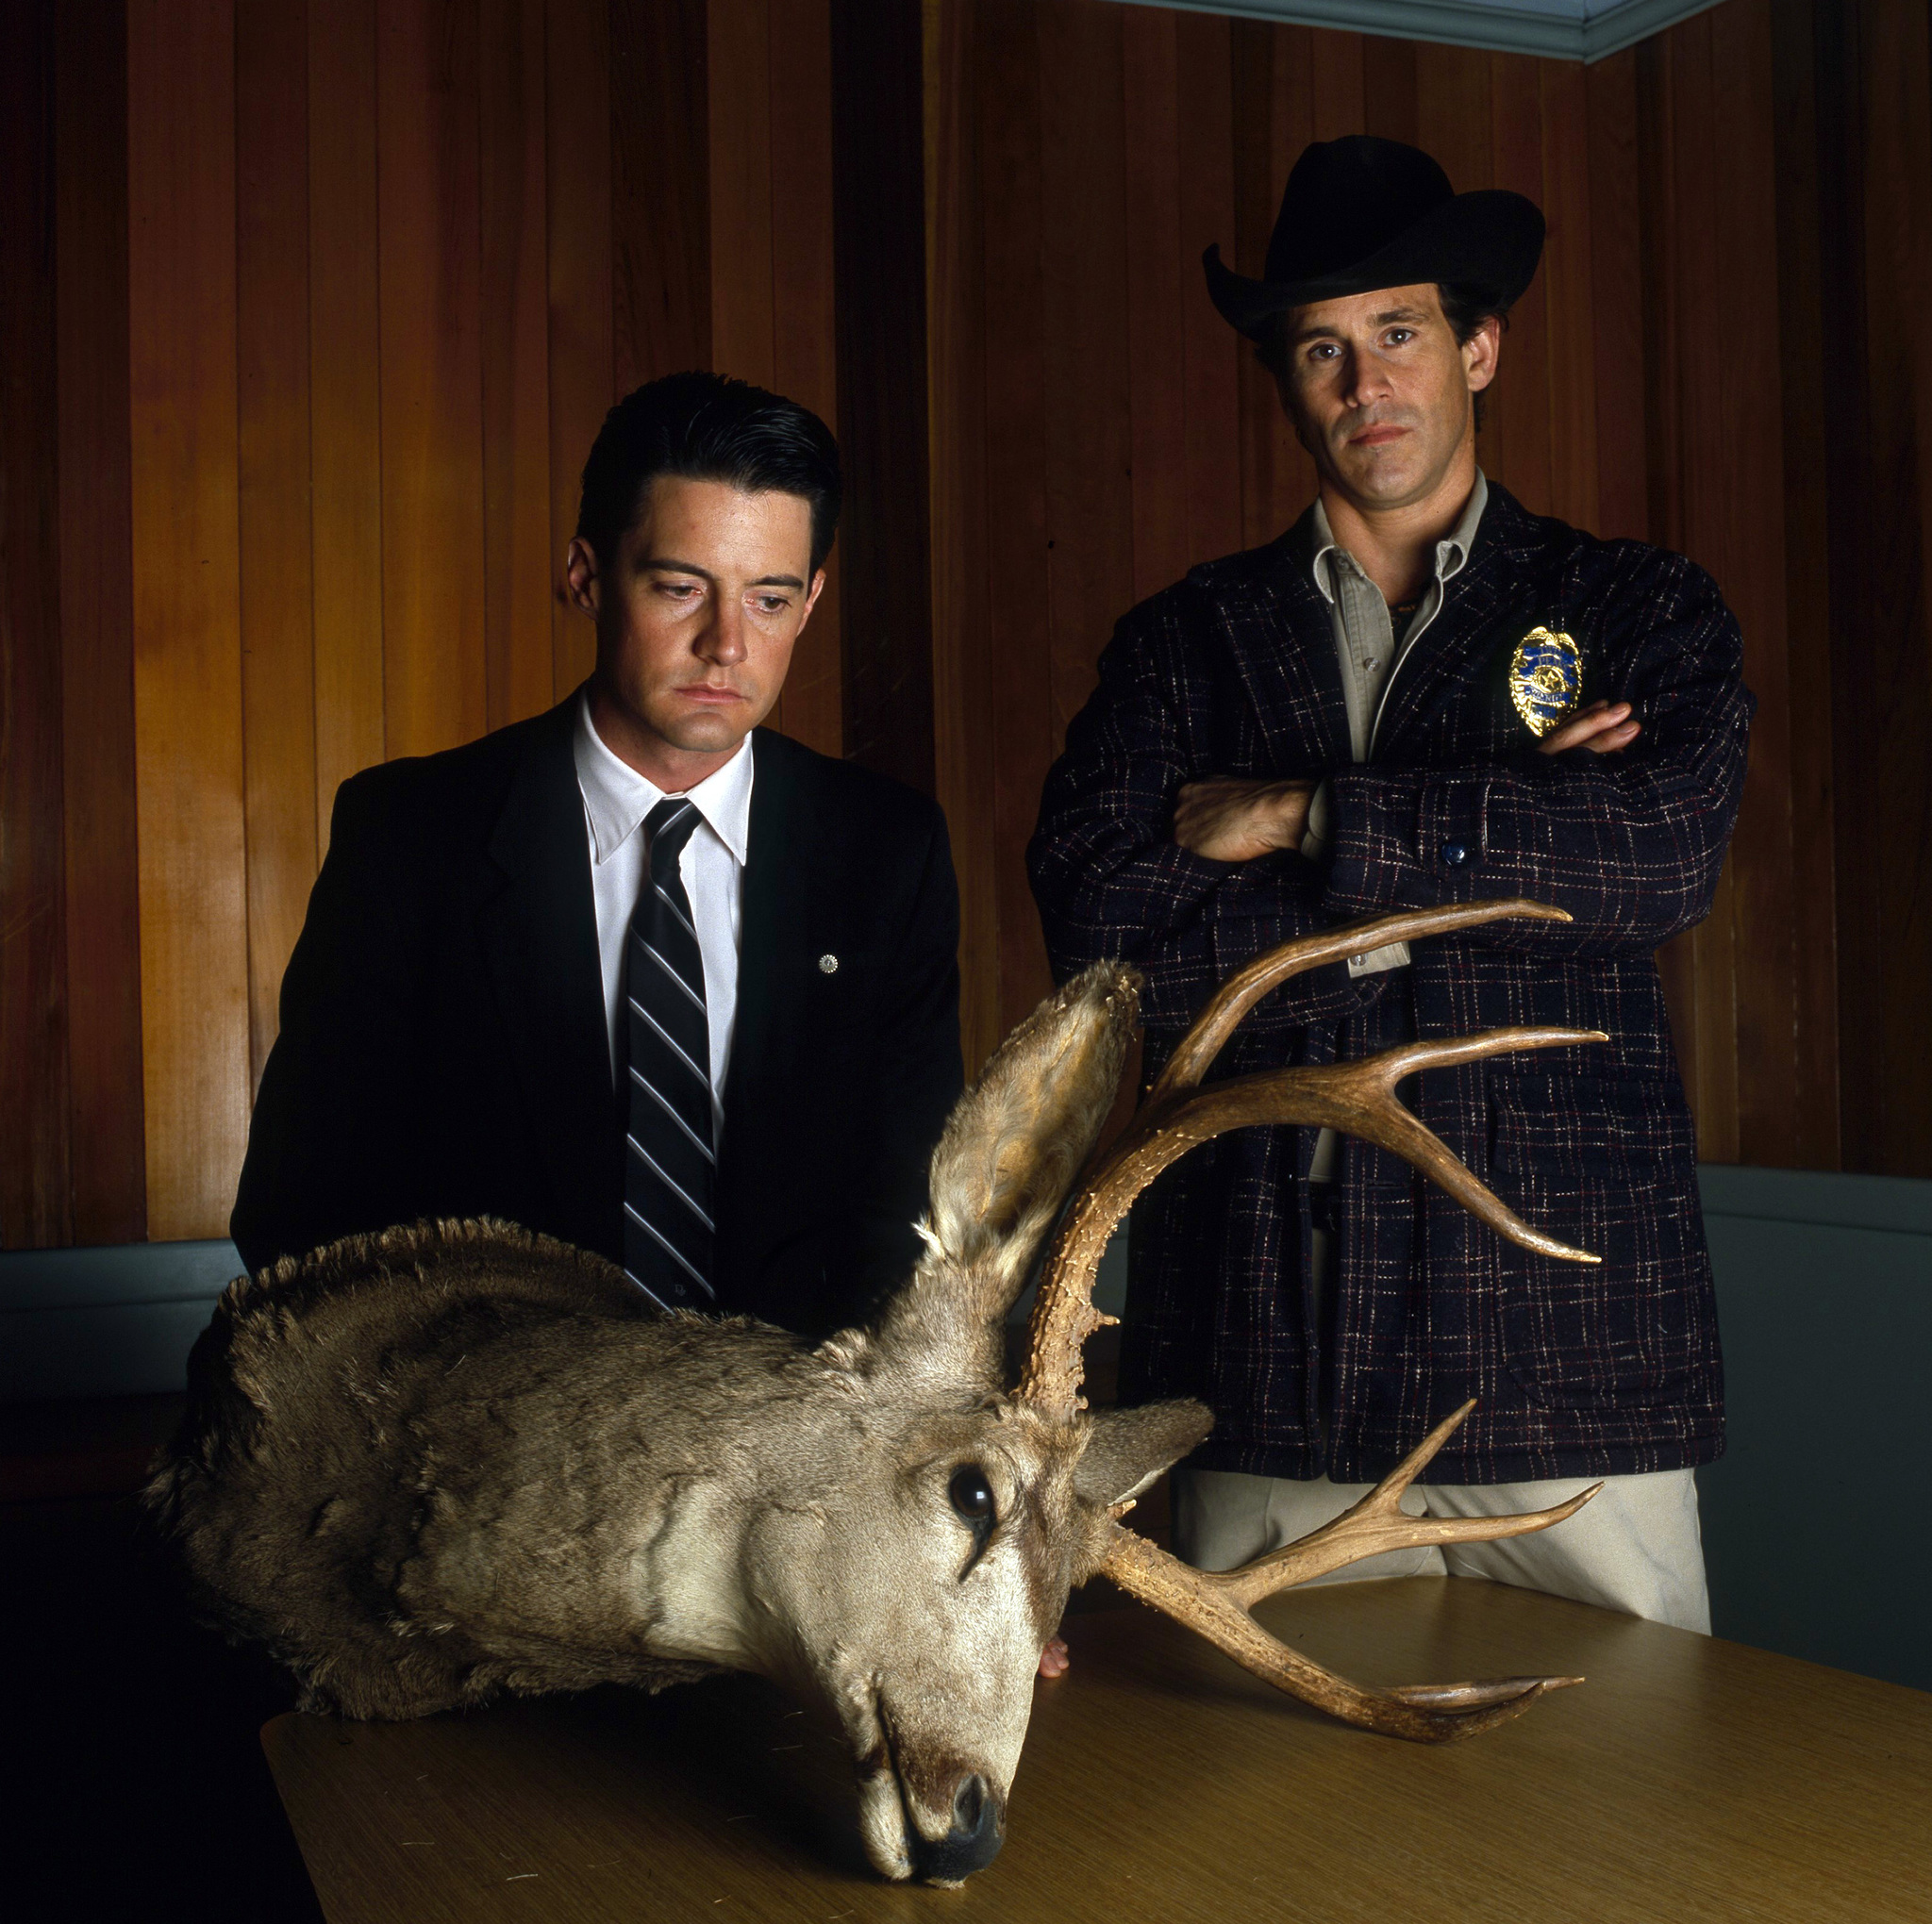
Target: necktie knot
(670, 825)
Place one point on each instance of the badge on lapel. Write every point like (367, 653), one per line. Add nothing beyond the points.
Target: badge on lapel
(1545, 679)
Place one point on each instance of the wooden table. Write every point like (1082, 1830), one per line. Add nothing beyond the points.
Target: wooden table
(1688, 1779)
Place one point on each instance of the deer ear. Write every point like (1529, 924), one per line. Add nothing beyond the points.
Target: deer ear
(1127, 1449)
(1017, 1138)
(1011, 1149)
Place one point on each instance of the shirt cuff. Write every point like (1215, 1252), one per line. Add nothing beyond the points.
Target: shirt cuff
(1315, 837)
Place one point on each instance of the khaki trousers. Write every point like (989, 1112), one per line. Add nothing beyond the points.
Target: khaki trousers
(1635, 1548)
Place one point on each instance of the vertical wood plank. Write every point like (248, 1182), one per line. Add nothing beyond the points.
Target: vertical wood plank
(1569, 295)
(738, 69)
(1658, 276)
(108, 1156)
(878, 159)
(273, 414)
(35, 1197)
(1155, 278)
(1340, 98)
(1874, 59)
(1204, 83)
(1657, 262)
(659, 206)
(345, 397)
(1452, 117)
(1388, 87)
(1898, 219)
(582, 40)
(963, 643)
(435, 681)
(743, 298)
(1274, 119)
(1617, 304)
(1519, 398)
(1011, 86)
(1084, 251)
(1807, 582)
(187, 608)
(1858, 454)
(805, 318)
(1745, 501)
(518, 568)
(1454, 123)
(1699, 345)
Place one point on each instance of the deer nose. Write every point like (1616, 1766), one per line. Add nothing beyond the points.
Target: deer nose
(980, 1828)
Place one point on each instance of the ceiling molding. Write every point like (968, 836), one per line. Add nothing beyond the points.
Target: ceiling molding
(1558, 29)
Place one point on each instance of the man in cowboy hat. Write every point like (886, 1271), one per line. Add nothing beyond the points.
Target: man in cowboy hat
(1421, 694)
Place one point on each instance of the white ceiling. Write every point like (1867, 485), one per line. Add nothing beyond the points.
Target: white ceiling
(1567, 29)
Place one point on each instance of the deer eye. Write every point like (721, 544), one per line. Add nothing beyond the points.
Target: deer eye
(972, 1498)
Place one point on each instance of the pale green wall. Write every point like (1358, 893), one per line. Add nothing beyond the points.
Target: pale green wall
(1814, 1520)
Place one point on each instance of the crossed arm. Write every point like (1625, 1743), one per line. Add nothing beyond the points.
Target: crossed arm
(1229, 819)
(1144, 854)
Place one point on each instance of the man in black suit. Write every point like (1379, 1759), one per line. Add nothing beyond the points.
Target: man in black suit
(637, 974)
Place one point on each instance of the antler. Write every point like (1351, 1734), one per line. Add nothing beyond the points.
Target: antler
(1358, 1098)
(1219, 1605)
(1355, 1097)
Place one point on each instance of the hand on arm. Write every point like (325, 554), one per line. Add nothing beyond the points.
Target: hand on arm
(1603, 728)
(1229, 821)
(1141, 857)
(1630, 844)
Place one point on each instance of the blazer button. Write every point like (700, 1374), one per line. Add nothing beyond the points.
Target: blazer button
(1454, 854)
(828, 965)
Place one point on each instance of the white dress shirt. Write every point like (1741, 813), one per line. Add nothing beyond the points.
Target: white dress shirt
(616, 801)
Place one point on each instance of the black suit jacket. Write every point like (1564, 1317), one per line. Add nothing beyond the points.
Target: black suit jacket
(444, 1049)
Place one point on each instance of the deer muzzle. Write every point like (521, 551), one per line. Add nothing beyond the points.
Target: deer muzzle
(980, 1828)
(928, 1813)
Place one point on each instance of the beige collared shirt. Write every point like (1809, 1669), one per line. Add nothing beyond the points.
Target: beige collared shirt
(1370, 657)
(1366, 647)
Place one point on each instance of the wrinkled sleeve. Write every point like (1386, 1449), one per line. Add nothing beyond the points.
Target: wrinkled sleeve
(1111, 882)
(1629, 843)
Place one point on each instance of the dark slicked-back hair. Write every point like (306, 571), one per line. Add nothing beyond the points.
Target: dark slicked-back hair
(707, 427)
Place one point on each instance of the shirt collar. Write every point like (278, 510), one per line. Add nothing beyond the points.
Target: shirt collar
(1452, 550)
(617, 798)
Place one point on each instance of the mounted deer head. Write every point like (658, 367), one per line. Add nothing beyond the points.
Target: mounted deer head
(456, 1459)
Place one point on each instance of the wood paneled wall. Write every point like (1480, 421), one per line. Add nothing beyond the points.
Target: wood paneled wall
(326, 301)
(1723, 201)
(312, 309)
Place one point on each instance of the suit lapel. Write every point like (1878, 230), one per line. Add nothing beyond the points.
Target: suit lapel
(777, 867)
(1489, 592)
(774, 875)
(1282, 640)
(539, 937)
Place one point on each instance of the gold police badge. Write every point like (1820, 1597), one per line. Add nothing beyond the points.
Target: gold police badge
(1545, 679)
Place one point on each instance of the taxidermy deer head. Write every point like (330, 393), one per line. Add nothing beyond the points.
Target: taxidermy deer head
(456, 1459)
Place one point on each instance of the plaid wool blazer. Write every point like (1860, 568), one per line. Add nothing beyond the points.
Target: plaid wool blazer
(1577, 1370)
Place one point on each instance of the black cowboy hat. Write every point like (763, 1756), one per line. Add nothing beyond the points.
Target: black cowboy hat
(1361, 213)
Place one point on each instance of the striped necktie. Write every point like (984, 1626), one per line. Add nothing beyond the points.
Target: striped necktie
(670, 1156)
